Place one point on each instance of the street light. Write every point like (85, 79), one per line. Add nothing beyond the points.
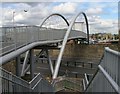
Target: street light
(14, 29)
(14, 16)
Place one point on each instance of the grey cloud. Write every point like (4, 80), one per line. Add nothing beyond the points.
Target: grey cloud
(33, 4)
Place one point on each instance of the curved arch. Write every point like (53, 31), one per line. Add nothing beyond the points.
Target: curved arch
(57, 14)
(65, 41)
(87, 26)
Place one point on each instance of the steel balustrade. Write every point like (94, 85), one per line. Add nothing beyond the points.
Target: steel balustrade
(12, 83)
(106, 79)
(30, 40)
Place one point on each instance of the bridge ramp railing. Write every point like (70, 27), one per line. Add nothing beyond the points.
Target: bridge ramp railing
(107, 77)
(13, 38)
(10, 83)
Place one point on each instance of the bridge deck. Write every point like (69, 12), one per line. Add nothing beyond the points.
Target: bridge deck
(14, 38)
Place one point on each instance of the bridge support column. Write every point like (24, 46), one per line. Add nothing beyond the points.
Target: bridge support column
(32, 63)
(49, 61)
(18, 66)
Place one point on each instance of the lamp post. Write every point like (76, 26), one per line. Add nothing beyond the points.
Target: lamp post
(14, 28)
(14, 16)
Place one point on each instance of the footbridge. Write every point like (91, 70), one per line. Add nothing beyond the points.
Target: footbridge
(19, 43)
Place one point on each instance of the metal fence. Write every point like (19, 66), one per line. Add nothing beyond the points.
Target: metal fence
(107, 77)
(15, 37)
(12, 83)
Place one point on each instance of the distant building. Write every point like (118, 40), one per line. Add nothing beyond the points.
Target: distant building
(104, 38)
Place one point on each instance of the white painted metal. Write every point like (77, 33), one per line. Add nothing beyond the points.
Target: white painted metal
(25, 63)
(107, 77)
(64, 43)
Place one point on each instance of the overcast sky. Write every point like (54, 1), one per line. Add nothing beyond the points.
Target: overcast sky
(102, 16)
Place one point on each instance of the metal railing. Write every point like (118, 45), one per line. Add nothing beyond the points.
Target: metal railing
(14, 38)
(107, 77)
(12, 83)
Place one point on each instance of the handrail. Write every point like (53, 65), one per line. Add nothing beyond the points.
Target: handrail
(34, 78)
(12, 55)
(36, 84)
(15, 82)
(12, 74)
(113, 84)
(94, 74)
(65, 41)
(28, 85)
(111, 81)
(112, 51)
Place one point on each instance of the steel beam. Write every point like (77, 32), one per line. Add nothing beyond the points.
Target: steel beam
(31, 63)
(65, 41)
(110, 79)
(18, 70)
(12, 55)
(27, 68)
(41, 52)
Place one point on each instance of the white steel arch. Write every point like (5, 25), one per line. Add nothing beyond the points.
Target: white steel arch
(54, 14)
(65, 41)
